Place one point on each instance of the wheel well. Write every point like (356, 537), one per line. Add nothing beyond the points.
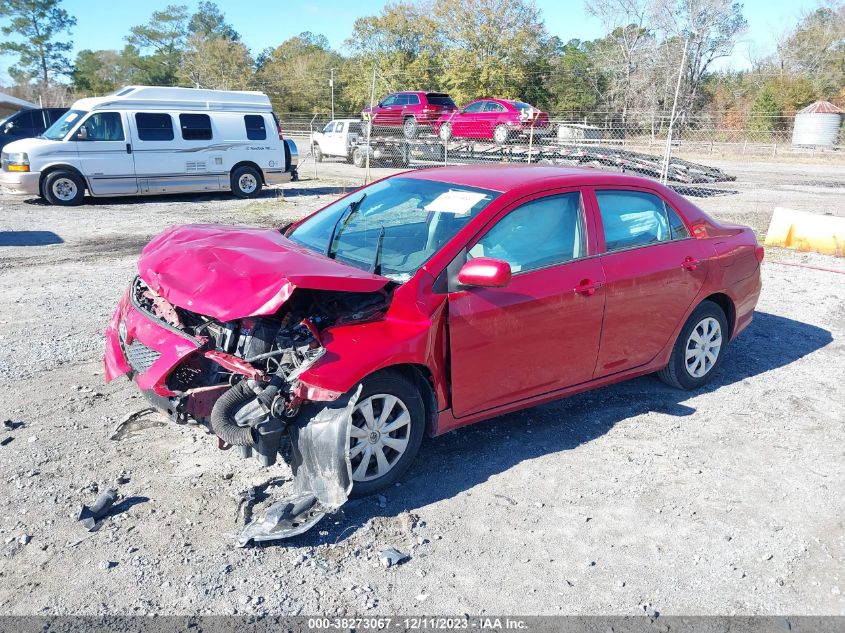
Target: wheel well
(724, 301)
(421, 376)
(408, 116)
(248, 163)
(49, 170)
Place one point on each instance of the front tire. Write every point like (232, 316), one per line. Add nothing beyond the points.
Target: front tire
(699, 350)
(410, 127)
(64, 188)
(246, 182)
(501, 134)
(388, 424)
(445, 132)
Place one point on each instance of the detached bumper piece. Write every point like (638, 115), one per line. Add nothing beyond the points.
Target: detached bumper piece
(322, 472)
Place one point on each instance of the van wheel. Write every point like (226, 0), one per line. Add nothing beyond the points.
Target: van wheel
(246, 182)
(63, 188)
(318, 153)
(358, 157)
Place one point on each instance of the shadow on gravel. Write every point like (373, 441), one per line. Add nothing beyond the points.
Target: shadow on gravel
(29, 238)
(266, 194)
(456, 462)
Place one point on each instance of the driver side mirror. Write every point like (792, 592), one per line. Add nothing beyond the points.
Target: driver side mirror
(485, 272)
(82, 134)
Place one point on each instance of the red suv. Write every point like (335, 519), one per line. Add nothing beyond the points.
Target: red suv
(492, 119)
(409, 110)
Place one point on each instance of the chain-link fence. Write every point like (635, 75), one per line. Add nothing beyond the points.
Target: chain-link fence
(743, 172)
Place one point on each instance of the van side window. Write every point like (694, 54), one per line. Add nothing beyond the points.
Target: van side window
(255, 130)
(195, 127)
(154, 126)
(104, 126)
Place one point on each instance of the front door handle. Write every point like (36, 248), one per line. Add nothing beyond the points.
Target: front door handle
(690, 263)
(588, 287)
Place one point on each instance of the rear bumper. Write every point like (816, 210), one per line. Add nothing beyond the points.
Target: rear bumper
(20, 182)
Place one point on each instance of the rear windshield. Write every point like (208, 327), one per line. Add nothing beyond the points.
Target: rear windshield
(519, 105)
(435, 98)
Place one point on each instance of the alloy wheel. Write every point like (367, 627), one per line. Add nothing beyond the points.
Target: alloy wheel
(381, 430)
(703, 347)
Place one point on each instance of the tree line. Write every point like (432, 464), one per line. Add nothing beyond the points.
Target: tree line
(468, 48)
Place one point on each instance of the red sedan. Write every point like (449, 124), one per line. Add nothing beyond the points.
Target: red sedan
(424, 302)
(492, 119)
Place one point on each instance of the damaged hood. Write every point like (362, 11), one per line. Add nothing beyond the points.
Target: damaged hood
(231, 272)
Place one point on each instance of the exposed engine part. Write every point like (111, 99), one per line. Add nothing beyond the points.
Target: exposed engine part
(322, 472)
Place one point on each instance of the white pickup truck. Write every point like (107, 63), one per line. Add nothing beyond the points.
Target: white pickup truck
(339, 138)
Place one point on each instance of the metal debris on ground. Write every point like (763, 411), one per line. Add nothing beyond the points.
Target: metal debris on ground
(130, 424)
(90, 515)
(11, 425)
(390, 557)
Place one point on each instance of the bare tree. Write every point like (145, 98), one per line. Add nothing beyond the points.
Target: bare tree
(624, 53)
(710, 29)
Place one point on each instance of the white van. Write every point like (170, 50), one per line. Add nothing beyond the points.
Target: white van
(152, 140)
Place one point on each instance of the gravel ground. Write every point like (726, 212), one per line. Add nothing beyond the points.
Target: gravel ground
(637, 496)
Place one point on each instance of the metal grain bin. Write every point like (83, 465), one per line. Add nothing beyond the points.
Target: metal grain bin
(817, 124)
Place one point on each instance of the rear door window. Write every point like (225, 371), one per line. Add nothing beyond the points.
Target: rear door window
(154, 126)
(255, 129)
(413, 99)
(339, 127)
(636, 218)
(195, 127)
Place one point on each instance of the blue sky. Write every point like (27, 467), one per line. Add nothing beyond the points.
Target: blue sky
(262, 23)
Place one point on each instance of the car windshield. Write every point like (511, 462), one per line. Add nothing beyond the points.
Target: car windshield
(417, 218)
(62, 126)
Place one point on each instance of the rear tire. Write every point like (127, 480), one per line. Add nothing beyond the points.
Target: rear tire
(396, 434)
(358, 158)
(64, 188)
(246, 182)
(699, 350)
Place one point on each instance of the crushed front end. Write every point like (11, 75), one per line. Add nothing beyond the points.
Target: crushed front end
(240, 378)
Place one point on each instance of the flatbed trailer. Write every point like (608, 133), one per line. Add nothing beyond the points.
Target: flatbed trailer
(430, 151)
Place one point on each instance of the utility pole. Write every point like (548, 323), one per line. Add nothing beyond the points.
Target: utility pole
(664, 176)
(370, 126)
(331, 84)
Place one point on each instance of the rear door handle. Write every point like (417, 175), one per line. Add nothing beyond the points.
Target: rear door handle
(690, 263)
(588, 287)
(128, 148)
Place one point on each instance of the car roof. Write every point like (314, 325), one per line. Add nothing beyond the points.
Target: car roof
(504, 178)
